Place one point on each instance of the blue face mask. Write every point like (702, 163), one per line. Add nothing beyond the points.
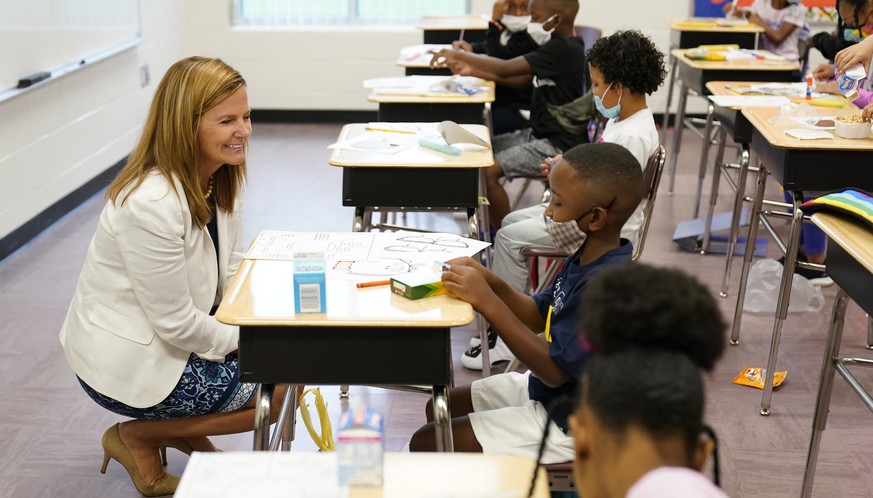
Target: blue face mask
(857, 34)
(608, 113)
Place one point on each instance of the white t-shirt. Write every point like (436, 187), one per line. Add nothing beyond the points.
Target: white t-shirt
(775, 18)
(638, 134)
(675, 482)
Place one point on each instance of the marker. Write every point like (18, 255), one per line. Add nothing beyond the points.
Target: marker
(375, 283)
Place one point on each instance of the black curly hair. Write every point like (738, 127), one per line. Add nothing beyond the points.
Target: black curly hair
(630, 58)
(647, 307)
(652, 330)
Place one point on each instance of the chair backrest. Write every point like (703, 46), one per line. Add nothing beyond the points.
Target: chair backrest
(588, 35)
(651, 181)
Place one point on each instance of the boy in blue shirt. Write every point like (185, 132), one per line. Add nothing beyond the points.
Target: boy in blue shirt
(559, 75)
(596, 187)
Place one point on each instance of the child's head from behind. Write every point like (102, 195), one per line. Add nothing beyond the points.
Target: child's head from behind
(627, 60)
(652, 331)
(597, 185)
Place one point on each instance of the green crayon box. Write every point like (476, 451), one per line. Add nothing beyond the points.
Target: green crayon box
(417, 285)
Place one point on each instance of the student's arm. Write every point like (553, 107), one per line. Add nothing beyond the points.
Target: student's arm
(499, 68)
(775, 36)
(511, 320)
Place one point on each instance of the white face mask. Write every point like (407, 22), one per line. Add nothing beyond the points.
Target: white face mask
(538, 33)
(515, 23)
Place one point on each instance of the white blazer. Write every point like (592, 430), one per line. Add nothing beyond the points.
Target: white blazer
(142, 302)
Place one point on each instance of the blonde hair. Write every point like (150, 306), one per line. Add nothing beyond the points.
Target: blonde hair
(168, 143)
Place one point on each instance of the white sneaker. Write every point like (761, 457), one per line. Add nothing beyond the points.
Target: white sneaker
(498, 352)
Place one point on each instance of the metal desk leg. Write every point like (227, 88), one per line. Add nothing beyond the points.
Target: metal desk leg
(825, 386)
(704, 157)
(285, 426)
(739, 198)
(749, 255)
(442, 417)
(263, 400)
(784, 297)
(713, 192)
(678, 127)
(665, 122)
(869, 332)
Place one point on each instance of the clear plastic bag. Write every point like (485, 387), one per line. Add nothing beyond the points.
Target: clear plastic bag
(762, 290)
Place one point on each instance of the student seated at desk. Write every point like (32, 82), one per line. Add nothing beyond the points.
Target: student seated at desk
(824, 73)
(597, 187)
(653, 332)
(507, 37)
(784, 23)
(625, 67)
(559, 75)
(139, 333)
(859, 53)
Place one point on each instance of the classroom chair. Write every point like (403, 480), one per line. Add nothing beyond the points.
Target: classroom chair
(555, 259)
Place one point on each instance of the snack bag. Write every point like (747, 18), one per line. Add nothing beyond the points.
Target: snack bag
(754, 377)
(849, 81)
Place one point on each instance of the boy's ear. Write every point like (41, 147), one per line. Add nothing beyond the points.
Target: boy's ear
(599, 220)
(705, 447)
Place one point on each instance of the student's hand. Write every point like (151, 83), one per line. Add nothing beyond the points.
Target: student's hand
(867, 113)
(549, 163)
(441, 58)
(499, 8)
(827, 87)
(756, 19)
(823, 72)
(859, 53)
(460, 68)
(468, 283)
(462, 45)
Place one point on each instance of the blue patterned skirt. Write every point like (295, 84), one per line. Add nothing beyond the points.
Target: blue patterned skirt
(205, 387)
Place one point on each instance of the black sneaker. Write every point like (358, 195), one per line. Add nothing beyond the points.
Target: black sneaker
(816, 277)
(476, 340)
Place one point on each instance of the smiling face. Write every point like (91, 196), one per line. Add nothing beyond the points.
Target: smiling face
(223, 133)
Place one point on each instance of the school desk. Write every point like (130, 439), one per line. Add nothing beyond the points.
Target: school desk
(416, 59)
(798, 165)
(446, 29)
(401, 106)
(733, 123)
(850, 264)
(414, 179)
(690, 33)
(367, 336)
(314, 475)
(694, 74)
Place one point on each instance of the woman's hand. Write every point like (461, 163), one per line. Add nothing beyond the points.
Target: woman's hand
(549, 163)
(859, 53)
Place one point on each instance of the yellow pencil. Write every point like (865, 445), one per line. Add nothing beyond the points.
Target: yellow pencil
(370, 128)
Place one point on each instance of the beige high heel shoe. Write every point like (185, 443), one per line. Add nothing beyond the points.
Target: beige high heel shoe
(114, 448)
(177, 443)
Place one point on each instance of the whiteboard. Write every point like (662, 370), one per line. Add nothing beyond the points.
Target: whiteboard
(46, 35)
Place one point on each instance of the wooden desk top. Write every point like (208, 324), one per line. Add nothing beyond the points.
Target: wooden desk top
(484, 96)
(712, 25)
(412, 157)
(775, 132)
(315, 475)
(852, 235)
(723, 88)
(469, 21)
(262, 294)
(735, 65)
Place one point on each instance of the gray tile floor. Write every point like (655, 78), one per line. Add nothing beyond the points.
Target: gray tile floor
(50, 431)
